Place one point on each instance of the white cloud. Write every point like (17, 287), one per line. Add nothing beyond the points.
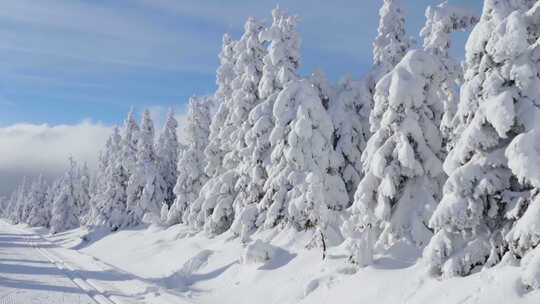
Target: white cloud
(28, 149)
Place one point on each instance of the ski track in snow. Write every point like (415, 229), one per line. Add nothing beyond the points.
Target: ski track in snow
(69, 279)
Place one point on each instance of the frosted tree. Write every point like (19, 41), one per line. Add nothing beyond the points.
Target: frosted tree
(40, 212)
(82, 194)
(130, 137)
(64, 208)
(145, 187)
(249, 65)
(391, 43)
(221, 190)
(402, 159)
(327, 92)
(167, 150)
(191, 174)
(350, 116)
(215, 151)
(218, 145)
(482, 198)
(279, 67)
(303, 187)
(19, 204)
(112, 198)
(441, 21)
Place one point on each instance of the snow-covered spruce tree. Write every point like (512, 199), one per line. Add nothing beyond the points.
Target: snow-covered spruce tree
(167, 150)
(391, 43)
(221, 191)
(350, 116)
(12, 206)
(482, 197)
(327, 92)
(130, 137)
(191, 164)
(441, 21)
(402, 160)
(249, 65)
(112, 199)
(145, 187)
(82, 194)
(216, 150)
(304, 184)
(19, 205)
(64, 207)
(217, 146)
(37, 197)
(279, 68)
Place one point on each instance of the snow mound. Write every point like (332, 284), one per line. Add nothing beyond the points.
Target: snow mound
(259, 252)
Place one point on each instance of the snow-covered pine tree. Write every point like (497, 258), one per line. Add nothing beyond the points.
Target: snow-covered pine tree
(167, 150)
(279, 67)
(221, 191)
(130, 137)
(52, 192)
(250, 52)
(20, 202)
(64, 215)
(441, 21)
(350, 116)
(225, 75)
(145, 187)
(327, 92)
(304, 186)
(37, 197)
(355, 99)
(500, 95)
(82, 194)
(212, 193)
(12, 206)
(391, 43)
(402, 160)
(112, 198)
(191, 164)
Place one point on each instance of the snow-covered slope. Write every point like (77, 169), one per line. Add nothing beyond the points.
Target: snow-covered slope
(278, 269)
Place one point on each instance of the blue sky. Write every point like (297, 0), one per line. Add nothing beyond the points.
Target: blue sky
(69, 60)
(70, 69)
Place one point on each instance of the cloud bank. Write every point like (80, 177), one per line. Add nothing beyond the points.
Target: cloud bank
(30, 150)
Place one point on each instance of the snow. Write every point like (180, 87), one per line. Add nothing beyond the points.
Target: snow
(297, 191)
(150, 264)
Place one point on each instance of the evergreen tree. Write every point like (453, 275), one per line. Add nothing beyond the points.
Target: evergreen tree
(350, 116)
(482, 198)
(167, 150)
(441, 21)
(39, 215)
(402, 160)
(112, 198)
(144, 191)
(64, 207)
(303, 186)
(391, 43)
(191, 174)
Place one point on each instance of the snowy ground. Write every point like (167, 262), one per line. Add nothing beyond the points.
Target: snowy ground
(154, 265)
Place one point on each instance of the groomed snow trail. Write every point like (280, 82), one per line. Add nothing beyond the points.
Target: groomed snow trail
(27, 276)
(35, 270)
